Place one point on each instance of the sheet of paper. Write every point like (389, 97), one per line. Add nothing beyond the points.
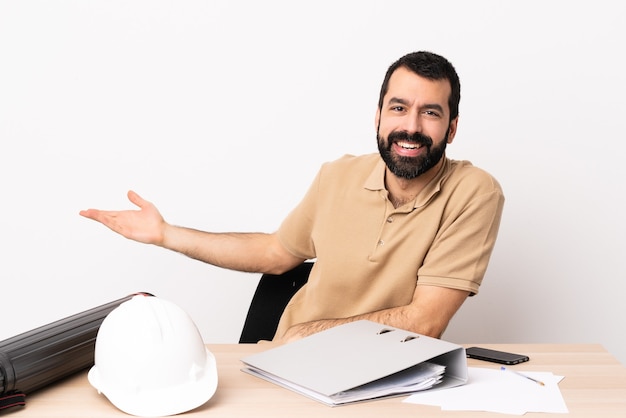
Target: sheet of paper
(498, 391)
(420, 377)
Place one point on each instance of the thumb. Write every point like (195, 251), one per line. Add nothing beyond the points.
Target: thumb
(136, 199)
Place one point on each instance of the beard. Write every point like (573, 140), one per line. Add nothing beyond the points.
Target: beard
(410, 167)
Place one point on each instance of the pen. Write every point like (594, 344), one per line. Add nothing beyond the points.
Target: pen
(523, 375)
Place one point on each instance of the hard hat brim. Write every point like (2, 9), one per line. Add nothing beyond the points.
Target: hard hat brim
(162, 402)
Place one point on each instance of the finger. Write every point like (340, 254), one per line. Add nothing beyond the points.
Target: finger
(89, 213)
(101, 216)
(136, 199)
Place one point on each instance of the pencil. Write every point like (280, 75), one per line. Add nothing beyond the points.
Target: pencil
(523, 375)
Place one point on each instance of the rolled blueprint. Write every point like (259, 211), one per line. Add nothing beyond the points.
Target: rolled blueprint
(36, 358)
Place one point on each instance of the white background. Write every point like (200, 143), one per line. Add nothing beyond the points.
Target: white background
(221, 112)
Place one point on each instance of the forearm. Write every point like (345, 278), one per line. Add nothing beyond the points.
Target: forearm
(394, 317)
(250, 252)
(428, 314)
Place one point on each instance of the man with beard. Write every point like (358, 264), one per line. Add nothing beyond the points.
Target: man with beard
(401, 237)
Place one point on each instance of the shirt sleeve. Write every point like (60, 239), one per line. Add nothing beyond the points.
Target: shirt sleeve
(459, 255)
(296, 231)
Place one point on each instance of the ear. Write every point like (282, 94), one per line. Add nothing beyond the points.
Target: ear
(452, 129)
(377, 119)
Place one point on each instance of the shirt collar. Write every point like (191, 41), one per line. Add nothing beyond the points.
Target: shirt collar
(376, 181)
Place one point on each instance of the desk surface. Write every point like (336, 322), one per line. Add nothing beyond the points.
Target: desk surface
(594, 386)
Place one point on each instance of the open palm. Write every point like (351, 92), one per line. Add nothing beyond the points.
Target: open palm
(144, 225)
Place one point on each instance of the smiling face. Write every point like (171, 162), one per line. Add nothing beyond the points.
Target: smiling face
(413, 124)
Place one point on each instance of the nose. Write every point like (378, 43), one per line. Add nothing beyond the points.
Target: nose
(412, 122)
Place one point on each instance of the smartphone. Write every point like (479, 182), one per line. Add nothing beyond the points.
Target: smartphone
(495, 356)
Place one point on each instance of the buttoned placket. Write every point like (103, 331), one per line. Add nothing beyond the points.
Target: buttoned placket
(389, 223)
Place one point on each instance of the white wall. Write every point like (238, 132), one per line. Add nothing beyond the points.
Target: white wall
(221, 113)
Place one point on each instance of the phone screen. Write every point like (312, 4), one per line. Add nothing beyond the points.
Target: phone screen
(495, 356)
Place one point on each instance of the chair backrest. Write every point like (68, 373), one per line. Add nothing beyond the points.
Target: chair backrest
(269, 301)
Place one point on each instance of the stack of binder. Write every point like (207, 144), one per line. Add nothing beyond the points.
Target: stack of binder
(361, 361)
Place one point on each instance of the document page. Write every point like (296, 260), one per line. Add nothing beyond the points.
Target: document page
(414, 379)
(420, 377)
(499, 391)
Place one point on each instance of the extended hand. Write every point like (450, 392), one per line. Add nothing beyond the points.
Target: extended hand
(145, 225)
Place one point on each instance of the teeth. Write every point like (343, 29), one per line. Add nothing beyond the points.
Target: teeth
(408, 145)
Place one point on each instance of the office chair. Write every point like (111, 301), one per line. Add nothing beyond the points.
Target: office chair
(269, 301)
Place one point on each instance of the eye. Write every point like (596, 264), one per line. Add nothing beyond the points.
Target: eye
(432, 113)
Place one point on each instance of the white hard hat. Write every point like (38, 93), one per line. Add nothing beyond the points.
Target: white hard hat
(150, 359)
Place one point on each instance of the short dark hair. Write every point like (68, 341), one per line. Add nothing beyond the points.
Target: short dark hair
(431, 66)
